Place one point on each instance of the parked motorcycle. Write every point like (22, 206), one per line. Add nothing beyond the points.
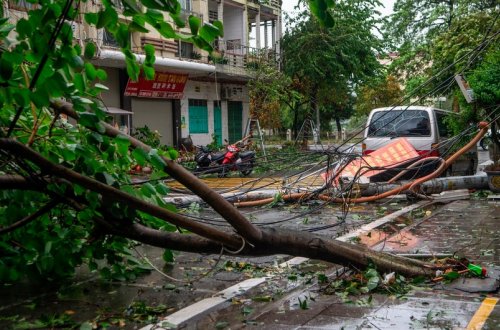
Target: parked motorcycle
(486, 140)
(232, 159)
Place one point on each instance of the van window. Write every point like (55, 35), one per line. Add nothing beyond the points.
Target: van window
(400, 123)
(442, 126)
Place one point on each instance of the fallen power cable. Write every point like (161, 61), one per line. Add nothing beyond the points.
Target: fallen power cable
(414, 187)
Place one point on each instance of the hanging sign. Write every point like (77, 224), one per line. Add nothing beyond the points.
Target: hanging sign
(164, 85)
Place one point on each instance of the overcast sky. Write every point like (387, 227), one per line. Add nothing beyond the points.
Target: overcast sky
(385, 10)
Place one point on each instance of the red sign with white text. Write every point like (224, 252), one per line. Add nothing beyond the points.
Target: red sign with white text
(164, 85)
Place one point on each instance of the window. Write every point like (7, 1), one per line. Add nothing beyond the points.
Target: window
(442, 126)
(185, 5)
(186, 50)
(400, 123)
(212, 16)
(198, 116)
(108, 39)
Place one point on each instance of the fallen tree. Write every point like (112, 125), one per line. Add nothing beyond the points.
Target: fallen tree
(66, 197)
(248, 239)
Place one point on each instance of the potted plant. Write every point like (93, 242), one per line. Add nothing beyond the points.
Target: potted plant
(493, 173)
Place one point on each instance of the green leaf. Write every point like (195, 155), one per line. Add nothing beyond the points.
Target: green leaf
(23, 27)
(162, 189)
(91, 18)
(107, 18)
(218, 25)
(153, 16)
(133, 69)
(88, 119)
(101, 87)
(79, 190)
(68, 155)
(135, 27)
(149, 72)
(194, 24)
(90, 71)
(168, 256)
(150, 52)
(156, 159)
(48, 247)
(451, 275)
(101, 74)
(40, 98)
(122, 143)
(89, 50)
(6, 69)
(148, 190)
(166, 30)
(140, 156)
(122, 36)
(156, 4)
(80, 82)
(373, 283)
(209, 32)
(173, 154)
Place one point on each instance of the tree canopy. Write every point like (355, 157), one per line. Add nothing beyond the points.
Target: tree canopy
(437, 40)
(328, 59)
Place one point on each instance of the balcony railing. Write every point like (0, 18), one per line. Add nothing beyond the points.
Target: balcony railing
(275, 4)
(230, 56)
(239, 55)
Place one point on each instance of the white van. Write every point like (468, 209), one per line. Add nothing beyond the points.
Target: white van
(424, 127)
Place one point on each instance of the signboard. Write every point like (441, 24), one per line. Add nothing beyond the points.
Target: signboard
(465, 88)
(395, 153)
(164, 85)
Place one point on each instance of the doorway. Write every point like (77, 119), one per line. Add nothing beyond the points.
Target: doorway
(234, 120)
(218, 123)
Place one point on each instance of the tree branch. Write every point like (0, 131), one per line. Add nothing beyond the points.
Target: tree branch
(44, 209)
(117, 195)
(18, 182)
(244, 227)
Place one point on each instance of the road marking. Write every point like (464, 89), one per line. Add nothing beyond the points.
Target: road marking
(209, 304)
(482, 314)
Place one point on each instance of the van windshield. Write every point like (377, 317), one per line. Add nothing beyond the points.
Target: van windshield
(400, 123)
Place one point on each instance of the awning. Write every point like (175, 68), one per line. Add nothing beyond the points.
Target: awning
(118, 111)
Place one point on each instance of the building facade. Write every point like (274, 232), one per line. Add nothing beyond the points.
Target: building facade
(191, 95)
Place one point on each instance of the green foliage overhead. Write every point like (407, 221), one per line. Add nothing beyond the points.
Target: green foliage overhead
(326, 61)
(38, 63)
(434, 39)
(378, 93)
(485, 80)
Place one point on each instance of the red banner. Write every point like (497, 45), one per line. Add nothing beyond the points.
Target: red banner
(164, 85)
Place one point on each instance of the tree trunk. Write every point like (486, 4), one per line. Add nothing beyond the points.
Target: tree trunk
(247, 240)
(339, 127)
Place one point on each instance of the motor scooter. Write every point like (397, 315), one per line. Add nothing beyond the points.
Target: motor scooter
(232, 159)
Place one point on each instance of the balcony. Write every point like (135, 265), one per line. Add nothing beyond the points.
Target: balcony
(273, 4)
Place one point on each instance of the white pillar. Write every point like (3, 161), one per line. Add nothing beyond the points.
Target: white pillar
(257, 30)
(244, 41)
(278, 34)
(220, 17)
